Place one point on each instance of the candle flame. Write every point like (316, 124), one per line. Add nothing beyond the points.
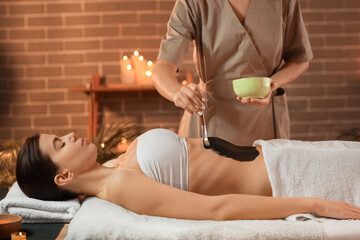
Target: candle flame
(128, 67)
(102, 145)
(148, 73)
(141, 58)
(184, 82)
(125, 58)
(136, 53)
(123, 140)
(149, 63)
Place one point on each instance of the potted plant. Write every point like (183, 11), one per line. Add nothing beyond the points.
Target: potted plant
(8, 155)
(113, 141)
(352, 134)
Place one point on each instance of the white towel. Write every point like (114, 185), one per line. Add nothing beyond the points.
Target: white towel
(100, 219)
(334, 229)
(325, 169)
(37, 211)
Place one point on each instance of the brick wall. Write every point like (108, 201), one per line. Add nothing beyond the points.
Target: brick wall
(48, 46)
(326, 99)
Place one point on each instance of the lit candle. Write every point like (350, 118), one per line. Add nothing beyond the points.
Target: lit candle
(129, 77)
(18, 236)
(148, 72)
(127, 73)
(139, 66)
(123, 145)
(135, 62)
(126, 59)
(142, 70)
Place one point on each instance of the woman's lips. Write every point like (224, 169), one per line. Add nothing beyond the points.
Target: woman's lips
(84, 142)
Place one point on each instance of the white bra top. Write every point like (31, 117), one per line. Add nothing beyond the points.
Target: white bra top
(163, 156)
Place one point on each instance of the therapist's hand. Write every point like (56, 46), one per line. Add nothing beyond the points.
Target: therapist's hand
(259, 101)
(256, 101)
(190, 98)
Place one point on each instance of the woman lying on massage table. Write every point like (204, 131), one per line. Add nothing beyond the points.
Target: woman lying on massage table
(164, 175)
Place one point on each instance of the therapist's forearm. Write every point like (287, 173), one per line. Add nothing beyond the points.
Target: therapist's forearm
(288, 73)
(164, 79)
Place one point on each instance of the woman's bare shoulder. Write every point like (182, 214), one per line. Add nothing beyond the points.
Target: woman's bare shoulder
(122, 181)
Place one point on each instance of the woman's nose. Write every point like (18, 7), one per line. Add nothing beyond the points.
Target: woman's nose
(72, 137)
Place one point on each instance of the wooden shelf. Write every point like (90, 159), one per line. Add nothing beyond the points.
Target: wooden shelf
(97, 88)
(93, 97)
(113, 88)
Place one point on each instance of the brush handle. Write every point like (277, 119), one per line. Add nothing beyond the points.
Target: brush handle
(204, 132)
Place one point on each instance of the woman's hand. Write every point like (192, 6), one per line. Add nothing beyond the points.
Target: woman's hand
(190, 98)
(333, 209)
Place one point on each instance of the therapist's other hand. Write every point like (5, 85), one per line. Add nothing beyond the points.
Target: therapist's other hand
(256, 101)
(259, 101)
(190, 98)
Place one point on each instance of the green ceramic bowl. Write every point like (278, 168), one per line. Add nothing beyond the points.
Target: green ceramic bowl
(254, 87)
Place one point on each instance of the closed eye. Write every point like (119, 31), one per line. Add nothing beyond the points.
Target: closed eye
(58, 144)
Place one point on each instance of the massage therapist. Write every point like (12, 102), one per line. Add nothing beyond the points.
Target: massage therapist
(233, 39)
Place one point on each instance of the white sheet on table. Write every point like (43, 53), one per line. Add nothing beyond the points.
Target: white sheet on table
(99, 219)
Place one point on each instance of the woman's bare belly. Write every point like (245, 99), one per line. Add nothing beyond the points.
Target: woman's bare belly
(212, 174)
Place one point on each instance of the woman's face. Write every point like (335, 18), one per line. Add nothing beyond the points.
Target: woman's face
(68, 152)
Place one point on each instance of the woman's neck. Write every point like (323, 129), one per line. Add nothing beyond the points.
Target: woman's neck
(93, 182)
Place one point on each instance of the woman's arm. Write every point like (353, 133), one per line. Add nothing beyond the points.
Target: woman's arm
(188, 97)
(140, 194)
(288, 73)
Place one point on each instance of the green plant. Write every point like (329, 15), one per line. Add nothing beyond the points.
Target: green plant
(352, 134)
(8, 155)
(108, 139)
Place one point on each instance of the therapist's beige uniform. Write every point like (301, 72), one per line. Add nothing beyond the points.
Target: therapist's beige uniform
(226, 49)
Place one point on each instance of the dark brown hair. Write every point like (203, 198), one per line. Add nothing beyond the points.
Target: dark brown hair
(35, 173)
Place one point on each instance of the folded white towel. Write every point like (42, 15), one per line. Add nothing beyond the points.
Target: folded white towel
(325, 169)
(37, 211)
(334, 229)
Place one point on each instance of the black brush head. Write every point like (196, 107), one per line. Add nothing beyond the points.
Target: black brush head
(227, 149)
(207, 144)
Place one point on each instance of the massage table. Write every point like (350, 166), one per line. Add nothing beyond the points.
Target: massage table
(294, 166)
(99, 219)
(42, 231)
